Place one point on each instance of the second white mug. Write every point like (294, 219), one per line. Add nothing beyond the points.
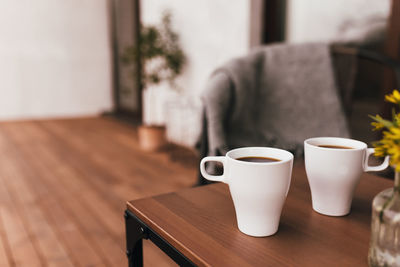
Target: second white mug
(334, 166)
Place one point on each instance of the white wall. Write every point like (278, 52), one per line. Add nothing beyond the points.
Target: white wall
(211, 31)
(55, 58)
(322, 20)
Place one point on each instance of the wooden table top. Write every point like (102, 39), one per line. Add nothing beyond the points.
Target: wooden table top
(201, 223)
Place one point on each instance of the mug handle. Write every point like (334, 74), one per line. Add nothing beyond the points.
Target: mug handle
(381, 167)
(216, 178)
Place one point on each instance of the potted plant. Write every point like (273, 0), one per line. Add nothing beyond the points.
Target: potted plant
(162, 60)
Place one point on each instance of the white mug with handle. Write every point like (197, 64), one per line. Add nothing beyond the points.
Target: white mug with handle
(334, 166)
(258, 189)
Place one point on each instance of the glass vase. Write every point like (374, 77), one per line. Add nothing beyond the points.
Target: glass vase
(385, 227)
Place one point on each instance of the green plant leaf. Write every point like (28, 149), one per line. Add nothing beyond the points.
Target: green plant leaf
(386, 123)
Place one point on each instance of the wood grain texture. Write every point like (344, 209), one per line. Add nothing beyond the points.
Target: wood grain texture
(201, 223)
(63, 188)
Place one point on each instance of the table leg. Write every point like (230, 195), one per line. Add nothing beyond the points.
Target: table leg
(134, 243)
(136, 230)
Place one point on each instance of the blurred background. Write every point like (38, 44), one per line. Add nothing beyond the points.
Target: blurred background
(100, 103)
(63, 58)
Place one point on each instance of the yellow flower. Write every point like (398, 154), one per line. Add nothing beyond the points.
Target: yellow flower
(380, 123)
(389, 145)
(395, 130)
(379, 151)
(397, 168)
(394, 152)
(377, 126)
(396, 119)
(394, 97)
(393, 134)
(395, 162)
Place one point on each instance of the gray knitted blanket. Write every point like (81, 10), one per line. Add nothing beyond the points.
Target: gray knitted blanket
(277, 96)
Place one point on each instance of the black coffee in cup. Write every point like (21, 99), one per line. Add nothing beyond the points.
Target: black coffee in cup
(336, 147)
(258, 159)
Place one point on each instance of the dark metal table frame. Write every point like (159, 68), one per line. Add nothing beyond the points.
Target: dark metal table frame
(136, 231)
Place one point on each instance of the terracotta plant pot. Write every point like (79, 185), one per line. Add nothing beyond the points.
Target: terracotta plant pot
(151, 138)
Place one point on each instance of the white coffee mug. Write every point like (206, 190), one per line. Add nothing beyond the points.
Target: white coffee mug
(258, 190)
(334, 166)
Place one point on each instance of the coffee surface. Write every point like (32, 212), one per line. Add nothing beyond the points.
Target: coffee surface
(337, 147)
(258, 159)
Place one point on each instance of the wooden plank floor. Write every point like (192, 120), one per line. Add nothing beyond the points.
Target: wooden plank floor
(63, 188)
